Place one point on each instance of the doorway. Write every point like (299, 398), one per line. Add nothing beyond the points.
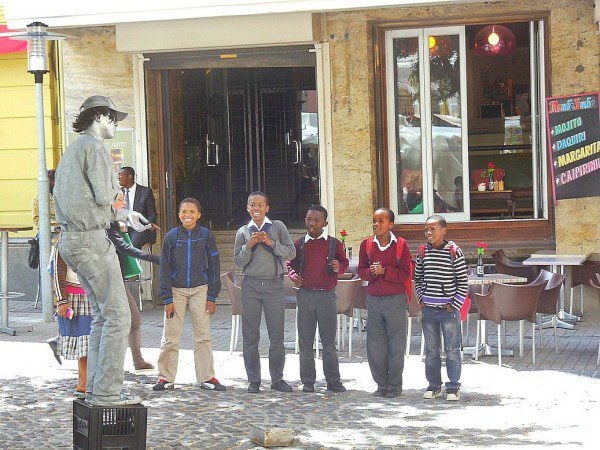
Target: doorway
(227, 132)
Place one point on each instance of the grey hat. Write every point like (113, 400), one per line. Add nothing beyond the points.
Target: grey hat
(96, 101)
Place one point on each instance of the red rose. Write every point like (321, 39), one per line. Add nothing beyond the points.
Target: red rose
(343, 233)
(491, 165)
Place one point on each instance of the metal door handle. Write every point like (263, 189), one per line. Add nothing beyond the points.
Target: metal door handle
(167, 180)
(299, 147)
(298, 152)
(287, 138)
(207, 150)
(216, 156)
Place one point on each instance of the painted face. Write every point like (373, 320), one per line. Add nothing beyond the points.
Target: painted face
(108, 126)
(382, 225)
(125, 178)
(257, 208)
(434, 233)
(189, 215)
(315, 222)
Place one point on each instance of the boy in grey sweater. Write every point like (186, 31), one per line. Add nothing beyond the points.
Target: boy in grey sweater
(260, 249)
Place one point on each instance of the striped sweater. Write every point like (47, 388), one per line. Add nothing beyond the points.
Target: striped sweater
(441, 275)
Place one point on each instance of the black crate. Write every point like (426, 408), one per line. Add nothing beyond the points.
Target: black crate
(96, 427)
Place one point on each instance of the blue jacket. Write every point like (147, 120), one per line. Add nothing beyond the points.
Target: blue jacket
(189, 258)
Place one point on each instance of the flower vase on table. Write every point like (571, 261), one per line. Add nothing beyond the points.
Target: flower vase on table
(481, 248)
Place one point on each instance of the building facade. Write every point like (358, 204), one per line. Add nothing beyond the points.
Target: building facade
(388, 103)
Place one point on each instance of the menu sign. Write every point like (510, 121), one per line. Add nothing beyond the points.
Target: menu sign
(574, 145)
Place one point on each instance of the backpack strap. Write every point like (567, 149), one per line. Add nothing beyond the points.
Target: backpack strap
(300, 255)
(332, 245)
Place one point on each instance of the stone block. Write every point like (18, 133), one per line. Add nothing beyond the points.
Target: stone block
(271, 436)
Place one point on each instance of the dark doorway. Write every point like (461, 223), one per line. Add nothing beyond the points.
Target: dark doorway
(232, 131)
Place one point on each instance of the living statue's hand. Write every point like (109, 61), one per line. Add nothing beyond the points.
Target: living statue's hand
(138, 222)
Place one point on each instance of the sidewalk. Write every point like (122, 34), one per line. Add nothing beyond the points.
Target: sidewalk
(555, 402)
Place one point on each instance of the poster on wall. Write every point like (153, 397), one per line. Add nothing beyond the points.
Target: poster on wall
(573, 126)
(121, 147)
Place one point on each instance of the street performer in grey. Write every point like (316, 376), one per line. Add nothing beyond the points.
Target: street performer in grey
(87, 198)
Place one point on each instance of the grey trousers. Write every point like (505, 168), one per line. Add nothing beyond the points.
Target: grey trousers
(317, 307)
(257, 296)
(386, 339)
(91, 255)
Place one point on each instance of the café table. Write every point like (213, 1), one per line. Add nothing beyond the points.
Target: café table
(5, 294)
(487, 279)
(565, 265)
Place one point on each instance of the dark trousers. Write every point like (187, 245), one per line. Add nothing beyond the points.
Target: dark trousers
(386, 339)
(257, 296)
(317, 307)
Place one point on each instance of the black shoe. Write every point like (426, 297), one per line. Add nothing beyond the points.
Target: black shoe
(253, 388)
(393, 392)
(336, 387)
(380, 392)
(163, 385)
(281, 386)
(308, 387)
(53, 343)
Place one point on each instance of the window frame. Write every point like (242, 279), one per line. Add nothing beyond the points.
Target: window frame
(536, 232)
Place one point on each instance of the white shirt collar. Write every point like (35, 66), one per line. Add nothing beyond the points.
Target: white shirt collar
(266, 220)
(323, 235)
(392, 239)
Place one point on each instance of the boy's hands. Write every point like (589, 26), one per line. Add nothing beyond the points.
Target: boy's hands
(298, 280)
(169, 310)
(377, 269)
(211, 308)
(335, 265)
(260, 237)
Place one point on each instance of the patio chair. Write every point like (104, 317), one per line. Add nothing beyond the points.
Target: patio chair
(360, 303)
(581, 277)
(510, 267)
(414, 310)
(508, 302)
(548, 301)
(346, 293)
(235, 297)
(596, 285)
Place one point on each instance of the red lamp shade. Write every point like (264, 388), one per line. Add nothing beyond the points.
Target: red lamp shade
(494, 40)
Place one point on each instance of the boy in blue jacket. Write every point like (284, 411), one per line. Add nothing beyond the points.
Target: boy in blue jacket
(189, 277)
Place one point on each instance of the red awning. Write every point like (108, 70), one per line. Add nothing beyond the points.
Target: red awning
(8, 45)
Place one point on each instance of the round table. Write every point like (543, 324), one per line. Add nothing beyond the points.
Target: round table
(5, 295)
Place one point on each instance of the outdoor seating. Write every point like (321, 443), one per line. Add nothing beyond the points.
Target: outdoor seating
(506, 265)
(346, 293)
(414, 311)
(596, 285)
(506, 302)
(549, 298)
(235, 297)
(291, 302)
(582, 276)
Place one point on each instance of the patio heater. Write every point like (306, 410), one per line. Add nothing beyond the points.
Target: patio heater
(37, 36)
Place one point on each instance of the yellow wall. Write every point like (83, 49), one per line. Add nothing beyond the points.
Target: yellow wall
(18, 137)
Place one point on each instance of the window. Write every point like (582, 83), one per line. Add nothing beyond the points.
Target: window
(465, 134)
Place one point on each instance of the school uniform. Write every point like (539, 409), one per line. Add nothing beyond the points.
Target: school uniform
(317, 305)
(386, 306)
(262, 290)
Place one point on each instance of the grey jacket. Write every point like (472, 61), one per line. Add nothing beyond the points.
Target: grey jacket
(86, 187)
(260, 262)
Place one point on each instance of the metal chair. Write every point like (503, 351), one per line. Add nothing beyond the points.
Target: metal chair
(596, 285)
(583, 276)
(506, 302)
(360, 303)
(235, 297)
(508, 266)
(414, 310)
(346, 294)
(291, 302)
(549, 297)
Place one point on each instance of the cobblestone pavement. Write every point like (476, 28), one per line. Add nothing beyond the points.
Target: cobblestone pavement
(554, 403)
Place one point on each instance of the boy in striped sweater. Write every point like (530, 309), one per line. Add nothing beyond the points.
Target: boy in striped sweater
(441, 285)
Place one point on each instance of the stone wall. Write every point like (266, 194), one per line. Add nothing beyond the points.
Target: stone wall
(574, 54)
(91, 66)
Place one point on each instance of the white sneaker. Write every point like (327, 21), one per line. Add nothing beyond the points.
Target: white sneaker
(431, 393)
(452, 395)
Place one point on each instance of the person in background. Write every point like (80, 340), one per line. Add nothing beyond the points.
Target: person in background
(141, 199)
(124, 250)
